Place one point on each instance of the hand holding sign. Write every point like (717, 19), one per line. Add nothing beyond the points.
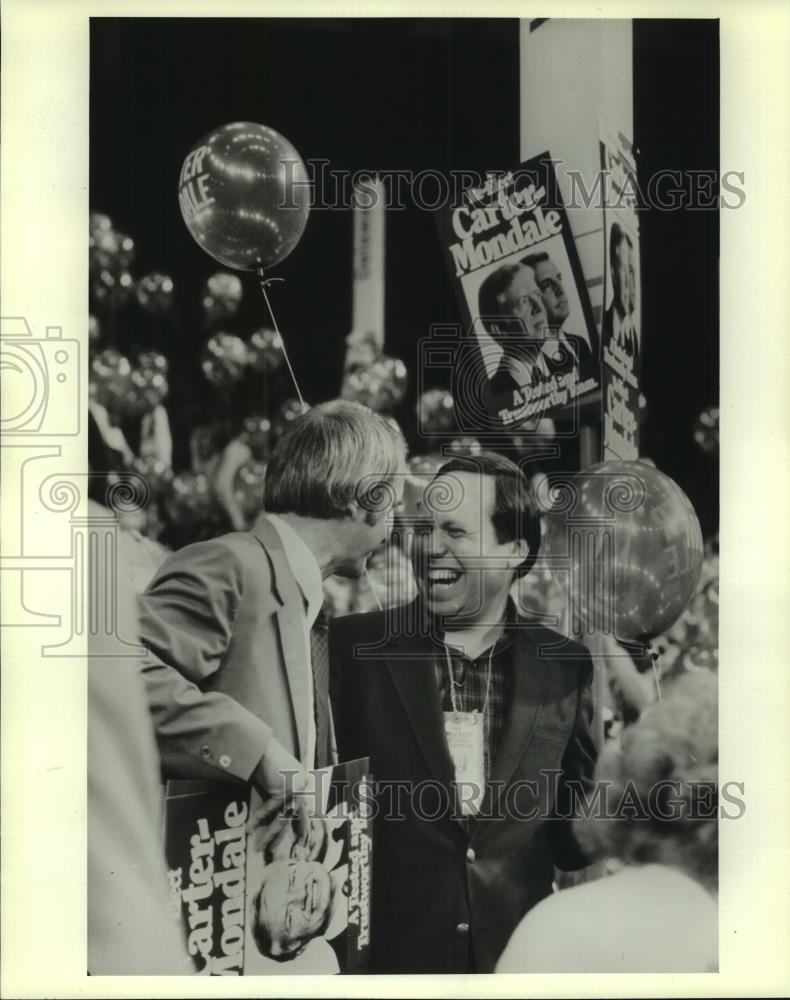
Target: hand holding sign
(244, 195)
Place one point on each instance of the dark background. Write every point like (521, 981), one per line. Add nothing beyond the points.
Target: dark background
(380, 95)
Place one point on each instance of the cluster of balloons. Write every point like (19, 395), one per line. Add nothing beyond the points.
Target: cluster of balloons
(126, 389)
(111, 255)
(706, 430)
(226, 356)
(379, 386)
(221, 297)
(436, 412)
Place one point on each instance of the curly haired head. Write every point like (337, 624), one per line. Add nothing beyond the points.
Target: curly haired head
(661, 785)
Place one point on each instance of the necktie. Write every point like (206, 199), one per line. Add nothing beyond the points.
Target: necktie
(319, 655)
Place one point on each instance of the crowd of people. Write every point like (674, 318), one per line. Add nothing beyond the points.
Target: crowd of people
(443, 678)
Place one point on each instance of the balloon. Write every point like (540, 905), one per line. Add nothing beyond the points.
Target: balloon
(112, 289)
(634, 552)
(125, 255)
(221, 296)
(256, 433)
(423, 465)
(380, 386)
(248, 488)
(706, 430)
(393, 382)
(99, 222)
(111, 378)
(435, 411)
(154, 360)
(224, 358)
(265, 350)
(94, 330)
(155, 293)
(362, 386)
(289, 411)
(189, 497)
(701, 657)
(465, 446)
(244, 195)
(155, 472)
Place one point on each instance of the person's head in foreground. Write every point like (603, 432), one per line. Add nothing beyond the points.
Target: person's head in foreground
(482, 529)
(342, 464)
(668, 760)
(292, 906)
(657, 912)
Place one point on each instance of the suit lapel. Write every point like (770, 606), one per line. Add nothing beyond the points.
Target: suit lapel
(290, 625)
(410, 661)
(530, 674)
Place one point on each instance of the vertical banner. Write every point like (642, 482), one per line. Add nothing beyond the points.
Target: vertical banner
(367, 335)
(621, 319)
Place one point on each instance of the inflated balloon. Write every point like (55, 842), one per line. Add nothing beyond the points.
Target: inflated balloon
(94, 330)
(701, 657)
(111, 289)
(256, 433)
(221, 296)
(465, 446)
(189, 497)
(104, 250)
(425, 465)
(706, 430)
(435, 411)
(154, 360)
(265, 351)
(362, 385)
(224, 358)
(155, 472)
(290, 410)
(394, 381)
(244, 195)
(627, 547)
(125, 256)
(155, 293)
(99, 222)
(149, 384)
(248, 488)
(110, 377)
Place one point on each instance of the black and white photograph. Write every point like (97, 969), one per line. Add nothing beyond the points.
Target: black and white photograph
(383, 536)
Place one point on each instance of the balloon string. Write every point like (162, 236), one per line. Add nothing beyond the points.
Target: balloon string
(264, 282)
(654, 661)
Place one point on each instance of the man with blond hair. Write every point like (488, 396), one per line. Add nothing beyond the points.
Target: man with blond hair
(226, 622)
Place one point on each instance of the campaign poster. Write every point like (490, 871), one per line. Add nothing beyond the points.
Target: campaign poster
(532, 346)
(621, 326)
(263, 894)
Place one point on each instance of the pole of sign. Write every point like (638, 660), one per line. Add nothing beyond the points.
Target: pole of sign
(367, 333)
(576, 82)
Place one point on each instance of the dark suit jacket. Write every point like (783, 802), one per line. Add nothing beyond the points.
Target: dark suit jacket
(448, 892)
(223, 621)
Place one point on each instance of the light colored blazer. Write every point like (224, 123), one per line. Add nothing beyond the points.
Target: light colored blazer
(228, 662)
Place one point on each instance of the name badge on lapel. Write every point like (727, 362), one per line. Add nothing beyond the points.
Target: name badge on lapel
(464, 733)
